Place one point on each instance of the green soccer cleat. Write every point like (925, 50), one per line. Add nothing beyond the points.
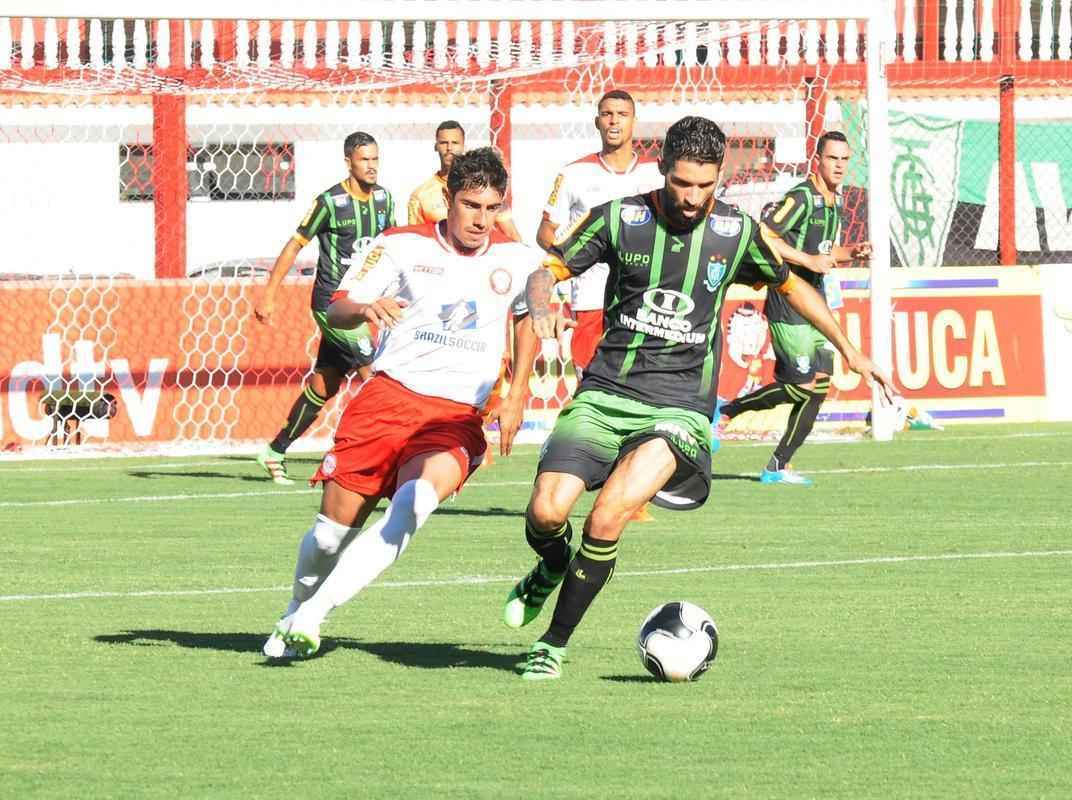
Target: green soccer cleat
(275, 465)
(526, 599)
(543, 662)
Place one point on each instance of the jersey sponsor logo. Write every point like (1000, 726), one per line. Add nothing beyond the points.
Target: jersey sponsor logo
(341, 200)
(458, 316)
(725, 226)
(663, 316)
(501, 280)
(635, 215)
(329, 464)
(668, 301)
(428, 269)
(676, 244)
(783, 212)
(716, 271)
(371, 260)
(826, 246)
(379, 194)
(456, 342)
(552, 199)
(819, 201)
(631, 259)
(364, 346)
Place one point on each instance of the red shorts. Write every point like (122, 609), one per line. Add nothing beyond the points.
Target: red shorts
(586, 336)
(385, 425)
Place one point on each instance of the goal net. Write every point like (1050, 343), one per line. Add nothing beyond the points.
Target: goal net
(162, 164)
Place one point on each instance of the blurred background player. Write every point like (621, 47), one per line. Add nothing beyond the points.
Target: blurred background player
(441, 294)
(807, 224)
(638, 428)
(428, 203)
(617, 170)
(344, 219)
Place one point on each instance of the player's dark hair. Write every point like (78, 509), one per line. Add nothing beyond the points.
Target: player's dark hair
(693, 139)
(617, 94)
(829, 136)
(478, 169)
(450, 125)
(355, 140)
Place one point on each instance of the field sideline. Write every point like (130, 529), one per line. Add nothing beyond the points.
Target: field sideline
(899, 630)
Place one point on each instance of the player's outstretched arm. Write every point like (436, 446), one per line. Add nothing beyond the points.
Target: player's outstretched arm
(817, 262)
(512, 409)
(284, 261)
(860, 251)
(545, 235)
(545, 323)
(384, 312)
(810, 305)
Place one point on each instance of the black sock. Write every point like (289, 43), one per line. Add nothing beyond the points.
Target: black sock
(551, 546)
(801, 421)
(589, 572)
(763, 398)
(302, 415)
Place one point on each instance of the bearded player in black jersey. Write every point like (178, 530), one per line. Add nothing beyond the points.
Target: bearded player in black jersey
(638, 426)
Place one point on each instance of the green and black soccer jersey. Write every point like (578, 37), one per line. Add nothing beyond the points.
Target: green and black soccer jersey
(343, 222)
(662, 337)
(808, 219)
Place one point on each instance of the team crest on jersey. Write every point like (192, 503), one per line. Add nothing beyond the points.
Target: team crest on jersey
(458, 316)
(635, 215)
(379, 194)
(381, 219)
(826, 246)
(716, 271)
(364, 346)
(803, 365)
(501, 280)
(328, 465)
(819, 201)
(342, 200)
(725, 226)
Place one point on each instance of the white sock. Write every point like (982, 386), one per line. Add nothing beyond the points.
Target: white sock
(377, 548)
(317, 555)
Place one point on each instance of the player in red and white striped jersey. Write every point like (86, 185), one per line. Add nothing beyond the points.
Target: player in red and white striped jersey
(441, 295)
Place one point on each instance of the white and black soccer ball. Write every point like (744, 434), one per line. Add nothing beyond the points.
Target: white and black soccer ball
(677, 642)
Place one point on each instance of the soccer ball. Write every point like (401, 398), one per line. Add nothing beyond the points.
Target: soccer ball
(677, 642)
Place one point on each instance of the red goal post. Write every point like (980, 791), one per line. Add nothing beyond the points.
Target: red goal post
(207, 119)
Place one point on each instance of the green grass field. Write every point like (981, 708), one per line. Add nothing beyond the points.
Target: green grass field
(902, 629)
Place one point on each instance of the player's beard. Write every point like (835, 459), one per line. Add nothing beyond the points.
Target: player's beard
(676, 217)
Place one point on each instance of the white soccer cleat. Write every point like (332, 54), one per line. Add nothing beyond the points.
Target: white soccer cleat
(275, 645)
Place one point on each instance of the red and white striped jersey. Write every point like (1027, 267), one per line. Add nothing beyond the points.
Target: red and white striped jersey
(583, 185)
(451, 339)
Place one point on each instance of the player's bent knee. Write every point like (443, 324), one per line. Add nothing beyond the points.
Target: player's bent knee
(544, 513)
(329, 534)
(417, 498)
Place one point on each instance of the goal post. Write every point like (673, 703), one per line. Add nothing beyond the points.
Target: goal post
(219, 129)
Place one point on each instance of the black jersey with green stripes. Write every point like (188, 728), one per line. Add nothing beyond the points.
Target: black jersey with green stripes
(662, 337)
(809, 220)
(344, 223)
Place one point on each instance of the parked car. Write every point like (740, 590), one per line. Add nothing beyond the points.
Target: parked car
(249, 268)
